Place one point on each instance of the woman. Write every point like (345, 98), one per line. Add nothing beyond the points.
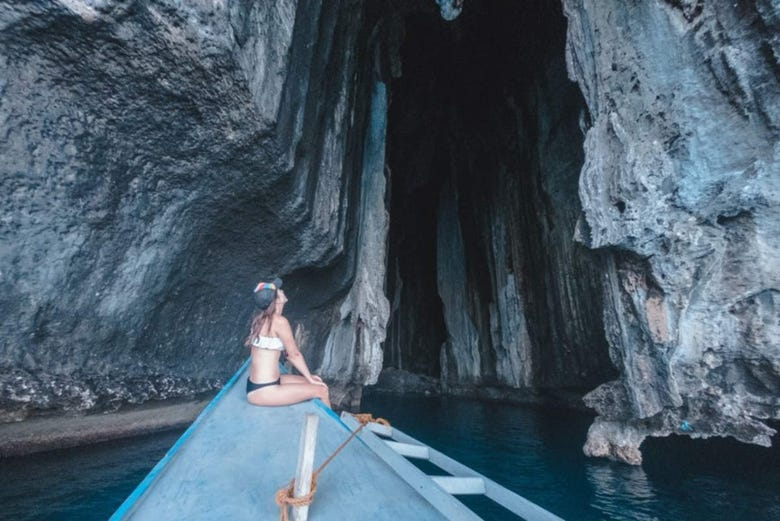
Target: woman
(269, 336)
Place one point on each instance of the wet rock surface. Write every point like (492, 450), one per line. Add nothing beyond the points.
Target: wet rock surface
(505, 199)
(392, 380)
(159, 159)
(488, 286)
(680, 185)
(72, 430)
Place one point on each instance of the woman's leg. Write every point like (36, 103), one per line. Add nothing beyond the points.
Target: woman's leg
(292, 379)
(288, 394)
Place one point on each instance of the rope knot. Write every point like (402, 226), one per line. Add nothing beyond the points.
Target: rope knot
(285, 497)
(366, 418)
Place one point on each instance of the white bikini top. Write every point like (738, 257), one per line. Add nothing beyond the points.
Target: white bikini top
(268, 342)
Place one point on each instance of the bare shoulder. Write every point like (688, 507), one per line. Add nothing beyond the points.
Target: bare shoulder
(281, 326)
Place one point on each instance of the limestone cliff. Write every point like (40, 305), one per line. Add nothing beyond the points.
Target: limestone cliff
(160, 157)
(680, 186)
(484, 204)
(511, 196)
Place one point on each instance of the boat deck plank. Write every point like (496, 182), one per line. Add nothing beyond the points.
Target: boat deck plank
(232, 464)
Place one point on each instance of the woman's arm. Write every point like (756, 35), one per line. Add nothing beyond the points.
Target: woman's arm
(283, 330)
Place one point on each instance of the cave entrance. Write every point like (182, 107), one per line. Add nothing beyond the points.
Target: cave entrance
(482, 115)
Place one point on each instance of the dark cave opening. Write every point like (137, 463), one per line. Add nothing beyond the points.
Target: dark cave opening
(483, 104)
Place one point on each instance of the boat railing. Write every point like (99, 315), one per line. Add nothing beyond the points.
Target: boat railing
(396, 447)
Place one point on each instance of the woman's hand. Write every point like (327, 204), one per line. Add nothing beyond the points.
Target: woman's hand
(317, 380)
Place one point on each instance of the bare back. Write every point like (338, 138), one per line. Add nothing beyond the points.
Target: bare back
(265, 362)
(265, 386)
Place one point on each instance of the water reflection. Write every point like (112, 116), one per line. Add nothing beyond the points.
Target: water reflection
(537, 452)
(615, 484)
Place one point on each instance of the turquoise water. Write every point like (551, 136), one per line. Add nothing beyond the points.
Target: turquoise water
(538, 454)
(83, 484)
(535, 452)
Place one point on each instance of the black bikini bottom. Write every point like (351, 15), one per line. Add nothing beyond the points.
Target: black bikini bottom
(251, 386)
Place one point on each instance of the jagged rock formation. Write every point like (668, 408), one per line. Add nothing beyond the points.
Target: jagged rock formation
(158, 159)
(680, 185)
(487, 284)
(353, 352)
(440, 195)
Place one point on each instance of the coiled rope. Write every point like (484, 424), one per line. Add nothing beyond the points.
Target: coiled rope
(284, 496)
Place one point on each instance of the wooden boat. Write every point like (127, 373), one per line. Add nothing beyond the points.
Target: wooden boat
(232, 460)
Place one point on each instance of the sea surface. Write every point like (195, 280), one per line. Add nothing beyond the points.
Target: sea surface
(82, 484)
(536, 452)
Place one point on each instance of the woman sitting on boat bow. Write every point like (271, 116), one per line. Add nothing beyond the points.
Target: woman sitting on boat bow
(271, 334)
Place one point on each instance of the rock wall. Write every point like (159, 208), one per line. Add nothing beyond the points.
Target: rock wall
(461, 360)
(680, 187)
(353, 352)
(497, 143)
(158, 158)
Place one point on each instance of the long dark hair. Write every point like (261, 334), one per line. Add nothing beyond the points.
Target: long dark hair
(261, 318)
